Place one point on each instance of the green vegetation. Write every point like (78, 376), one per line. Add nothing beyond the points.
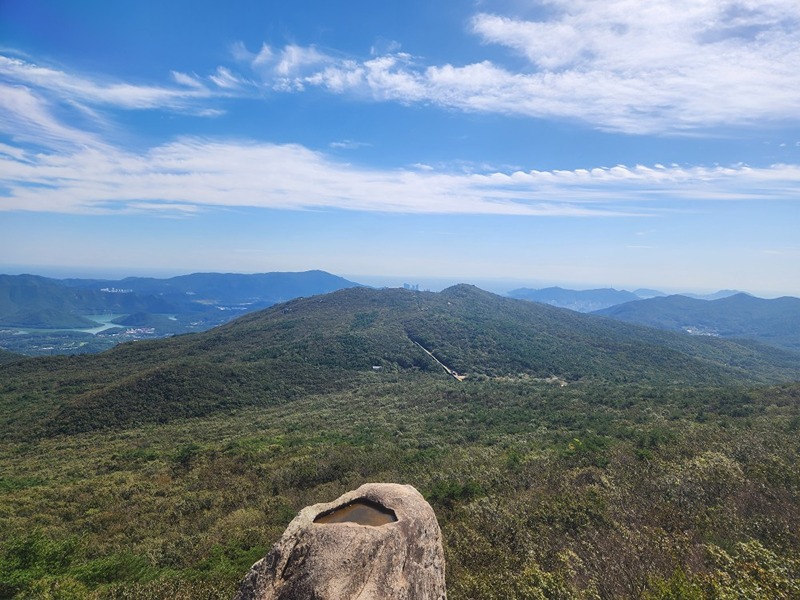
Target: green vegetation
(775, 321)
(40, 302)
(541, 491)
(6, 356)
(40, 316)
(165, 469)
(324, 343)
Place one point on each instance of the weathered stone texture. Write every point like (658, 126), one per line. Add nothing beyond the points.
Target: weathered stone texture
(401, 560)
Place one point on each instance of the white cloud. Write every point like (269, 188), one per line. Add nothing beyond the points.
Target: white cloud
(28, 118)
(348, 145)
(264, 56)
(32, 95)
(188, 175)
(66, 86)
(384, 46)
(192, 174)
(663, 66)
(293, 59)
(188, 80)
(224, 78)
(14, 152)
(283, 69)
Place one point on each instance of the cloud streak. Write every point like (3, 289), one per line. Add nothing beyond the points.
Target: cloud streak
(195, 174)
(28, 118)
(661, 67)
(88, 91)
(656, 67)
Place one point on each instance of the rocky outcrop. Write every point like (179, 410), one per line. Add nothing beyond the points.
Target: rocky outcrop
(327, 553)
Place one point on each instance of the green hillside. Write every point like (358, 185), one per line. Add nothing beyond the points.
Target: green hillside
(477, 333)
(579, 458)
(332, 342)
(775, 322)
(34, 309)
(260, 289)
(40, 302)
(585, 491)
(6, 356)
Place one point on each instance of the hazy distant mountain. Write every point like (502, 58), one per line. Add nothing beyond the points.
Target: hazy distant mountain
(329, 342)
(645, 293)
(259, 289)
(578, 300)
(40, 302)
(715, 296)
(775, 322)
(149, 307)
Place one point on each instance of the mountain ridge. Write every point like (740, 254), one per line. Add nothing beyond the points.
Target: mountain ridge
(60, 311)
(334, 341)
(775, 321)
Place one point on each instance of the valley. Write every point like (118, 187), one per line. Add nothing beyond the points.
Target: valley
(41, 316)
(537, 259)
(580, 457)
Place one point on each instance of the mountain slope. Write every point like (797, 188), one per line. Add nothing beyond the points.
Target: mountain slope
(33, 301)
(715, 295)
(335, 341)
(261, 289)
(6, 356)
(154, 307)
(775, 322)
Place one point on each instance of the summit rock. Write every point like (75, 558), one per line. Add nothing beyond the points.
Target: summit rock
(380, 541)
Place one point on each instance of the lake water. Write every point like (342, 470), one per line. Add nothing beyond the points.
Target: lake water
(103, 323)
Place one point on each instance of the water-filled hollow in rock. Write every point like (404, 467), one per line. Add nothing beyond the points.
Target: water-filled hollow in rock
(361, 512)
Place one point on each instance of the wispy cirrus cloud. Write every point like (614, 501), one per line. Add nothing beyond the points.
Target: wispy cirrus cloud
(664, 65)
(348, 145)
(655, 67)
(69, 86)
(31, 95)
(587, 61)
(225, 79)
(27, 117)
(193, 174)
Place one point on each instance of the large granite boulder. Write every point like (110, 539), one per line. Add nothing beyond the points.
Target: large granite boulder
(378, 542)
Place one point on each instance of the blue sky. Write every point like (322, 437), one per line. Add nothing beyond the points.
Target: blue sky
(578, 143)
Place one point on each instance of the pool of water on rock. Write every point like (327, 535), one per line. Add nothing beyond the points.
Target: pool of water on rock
(361, 512)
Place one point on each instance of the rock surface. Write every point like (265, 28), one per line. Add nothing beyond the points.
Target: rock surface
(399, 560)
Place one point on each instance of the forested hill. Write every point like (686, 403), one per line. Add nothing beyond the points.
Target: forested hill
(775, 322)
(42, 316)
(31, 301)
(264, 289)
(6, 356)
(331, 342)
(580, 457)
